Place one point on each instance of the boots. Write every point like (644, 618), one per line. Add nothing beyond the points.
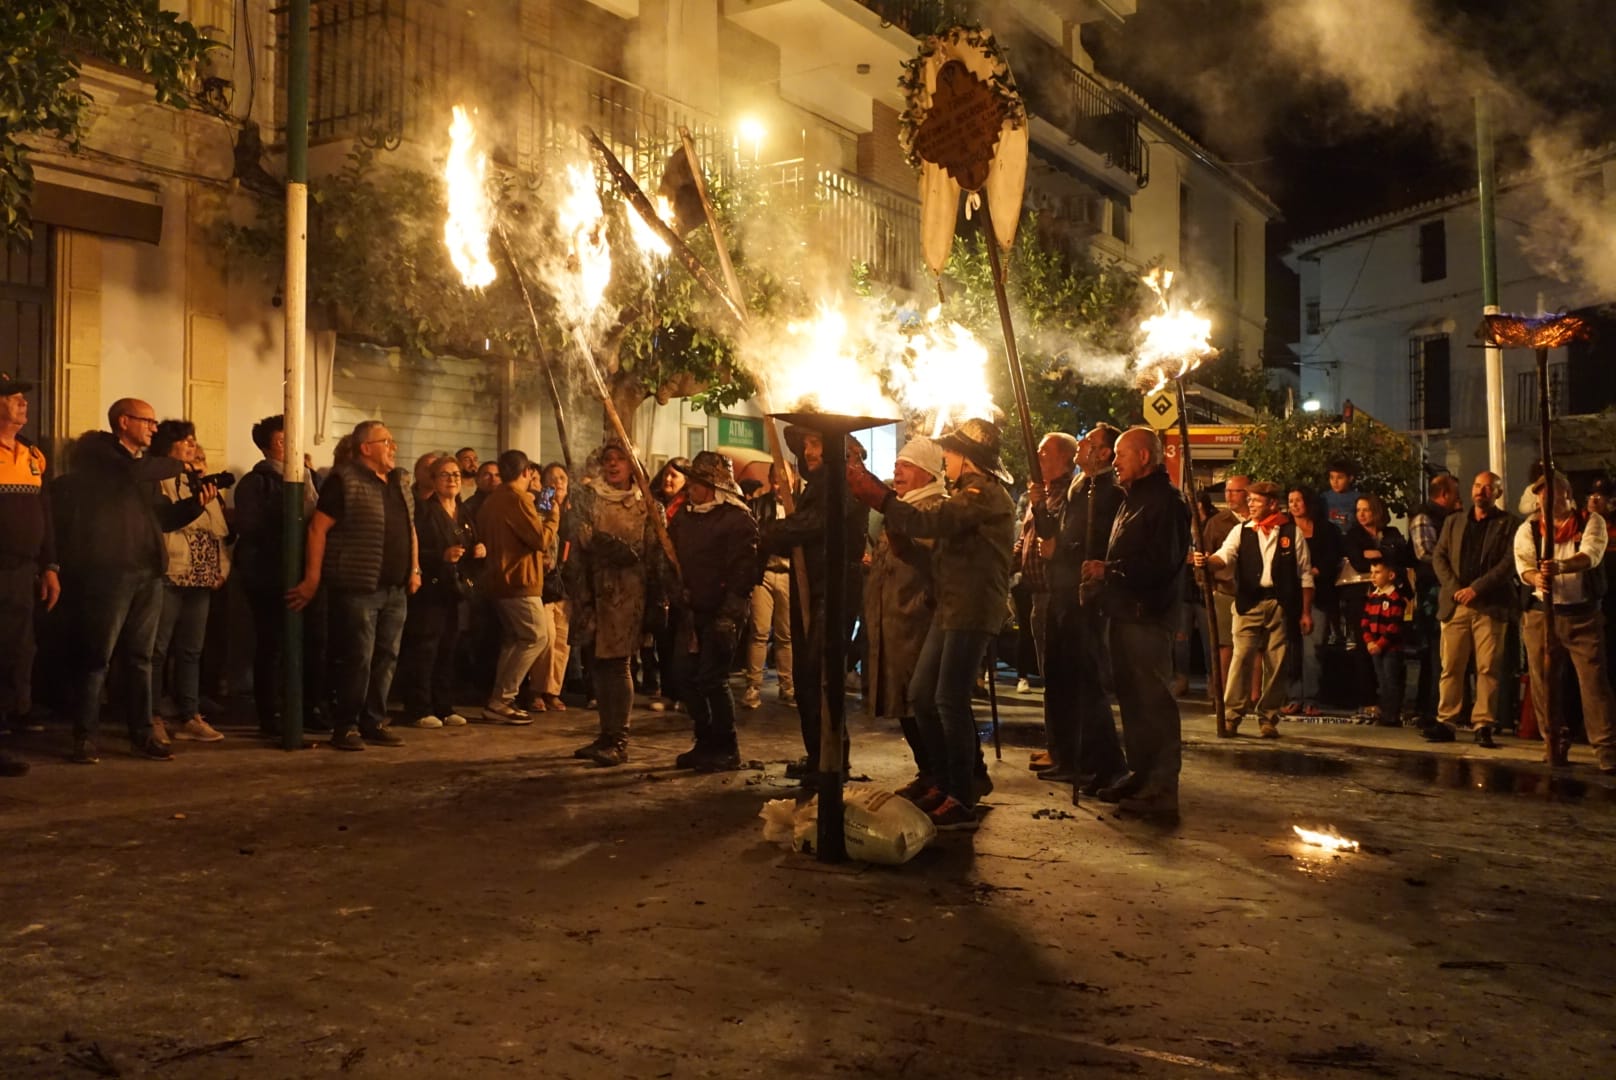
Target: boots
(587, 753)
(613, 750)
(721, 755)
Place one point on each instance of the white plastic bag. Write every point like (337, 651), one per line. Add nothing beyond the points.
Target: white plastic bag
(879, 827)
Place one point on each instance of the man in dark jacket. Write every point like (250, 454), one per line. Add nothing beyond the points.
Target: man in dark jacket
(804, 533)
(975, 530)
(1474, 564)
(1141, 577)
(110, 523)
(716, 540)
(1083, 745)
(362, 548)
(259, 522)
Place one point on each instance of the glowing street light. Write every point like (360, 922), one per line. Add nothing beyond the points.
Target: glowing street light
(1312, 404)
(751, 130)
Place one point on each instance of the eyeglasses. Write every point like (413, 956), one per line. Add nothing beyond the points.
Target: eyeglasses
(381, 442)
(152, 420)
(449, 473)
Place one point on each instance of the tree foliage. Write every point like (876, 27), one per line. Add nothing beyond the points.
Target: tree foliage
(1075, 321)
(45, 44)
(1298, 449)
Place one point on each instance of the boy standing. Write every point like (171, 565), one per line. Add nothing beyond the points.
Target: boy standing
(1382, 635)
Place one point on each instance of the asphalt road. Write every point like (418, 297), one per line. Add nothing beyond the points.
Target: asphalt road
(478, 903)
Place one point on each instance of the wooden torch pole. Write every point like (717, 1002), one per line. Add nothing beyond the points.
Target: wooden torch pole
(1214, 669)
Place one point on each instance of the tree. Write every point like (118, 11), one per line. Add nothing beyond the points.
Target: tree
(1298, 449)
(45, 44)
(1075, 321)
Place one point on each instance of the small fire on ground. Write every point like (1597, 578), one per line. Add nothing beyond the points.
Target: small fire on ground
(1330, 840)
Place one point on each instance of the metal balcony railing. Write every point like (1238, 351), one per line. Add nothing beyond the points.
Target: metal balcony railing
(918, 18)
(1525, 400)
(1091, 115)
(856, 221)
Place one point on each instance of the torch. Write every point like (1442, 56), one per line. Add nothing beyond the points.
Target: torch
(465, 233)
(1175, 343)
(1542, 333)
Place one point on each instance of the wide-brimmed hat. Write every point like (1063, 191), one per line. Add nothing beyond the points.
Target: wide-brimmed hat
(713, 469)
(923, 453)
(978, 442)
(795, 434)
(9, 386)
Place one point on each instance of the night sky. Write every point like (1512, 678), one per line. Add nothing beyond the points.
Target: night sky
(1209, 66)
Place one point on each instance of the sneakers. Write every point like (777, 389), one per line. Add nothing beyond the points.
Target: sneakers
(752, 698)
(915, 788)
(196, 729)
(1023, 687)
(500, 712)
(656, 704)
(428, 721)
(153, 750)
(453, 719)
(931, 799)
(347, 740)
(951, 815)
(382, 737)
(159, 731)
(83, 753)
(610, 752)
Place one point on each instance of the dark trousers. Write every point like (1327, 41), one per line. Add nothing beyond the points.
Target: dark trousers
(268, 605)
(115, 613)
(427, 656)
(366, 628)
(1142, 665)
(19, 593)
(703, 681)
(1077, 715)
(659, 660)
(941, 692)
(1427, 637)
(1390, 675)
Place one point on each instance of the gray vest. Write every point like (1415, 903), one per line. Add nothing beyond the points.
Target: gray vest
(353, 547)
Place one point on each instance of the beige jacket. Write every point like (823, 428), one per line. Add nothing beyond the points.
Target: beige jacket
(187, 547)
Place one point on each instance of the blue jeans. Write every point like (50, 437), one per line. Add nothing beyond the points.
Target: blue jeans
(366, 628)
(116, 613)
(181, 630)
(940, 692)
(1390, 674)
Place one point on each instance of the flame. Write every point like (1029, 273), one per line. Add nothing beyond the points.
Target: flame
(943, 373)
(582, 220)
(650, 243)
(1329, 840)
(1176, 340)
(822, 364)
(466, 230)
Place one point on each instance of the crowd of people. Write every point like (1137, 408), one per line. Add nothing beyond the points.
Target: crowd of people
(513, 582)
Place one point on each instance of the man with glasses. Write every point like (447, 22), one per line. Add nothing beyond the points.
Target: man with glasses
(110, 518)
(362, 547)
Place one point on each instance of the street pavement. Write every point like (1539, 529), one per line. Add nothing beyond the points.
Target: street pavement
(479, 903)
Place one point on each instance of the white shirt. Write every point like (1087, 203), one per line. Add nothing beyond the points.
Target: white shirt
(1230, 551)
(1568, 588)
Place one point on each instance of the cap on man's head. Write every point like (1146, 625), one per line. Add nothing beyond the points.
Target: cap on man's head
(1265, 488)
(9, 386)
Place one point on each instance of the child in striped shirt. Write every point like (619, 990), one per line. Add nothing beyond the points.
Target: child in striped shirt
(1381, 631)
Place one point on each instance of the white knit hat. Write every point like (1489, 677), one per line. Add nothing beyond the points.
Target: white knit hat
(922, 453)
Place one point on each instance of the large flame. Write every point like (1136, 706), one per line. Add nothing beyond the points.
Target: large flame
(1175, 341)
(822, 364)
(649, 242)
(583, 224)
(466, 230)
(1329, 840)
(943, 374)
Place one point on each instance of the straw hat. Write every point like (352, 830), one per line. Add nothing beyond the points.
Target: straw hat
(795, 435)
(712, 469)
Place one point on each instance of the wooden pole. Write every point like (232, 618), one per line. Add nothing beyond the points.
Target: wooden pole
(1017, 379)
(544, 358)
(1545, 506)
(1214, 673)
(653, 508)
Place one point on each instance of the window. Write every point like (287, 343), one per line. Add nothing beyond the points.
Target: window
(695, 441)
(1429, 392)
(1433, 250)
(1120, 225)
(1311, 319)
(1234, 261)
(1186, 227)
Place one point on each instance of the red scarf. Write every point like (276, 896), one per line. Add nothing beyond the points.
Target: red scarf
(1566, 531)
(1272, 522)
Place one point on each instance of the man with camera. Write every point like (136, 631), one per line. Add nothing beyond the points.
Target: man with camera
(111, 516)
(517, 530)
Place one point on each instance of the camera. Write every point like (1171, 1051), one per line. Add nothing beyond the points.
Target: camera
(220, 480)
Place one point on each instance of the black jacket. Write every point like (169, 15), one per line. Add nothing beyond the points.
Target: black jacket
(260, 518)
(718, 556)
(1082, 531)
(1144, 561)
(110, 513)
(443, 581)
(806, 529)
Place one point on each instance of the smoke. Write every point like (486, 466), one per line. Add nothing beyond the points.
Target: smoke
(1397, 61)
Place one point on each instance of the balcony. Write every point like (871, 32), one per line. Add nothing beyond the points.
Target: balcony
(1524, 403)
(918, 18)
(1089, 115)
(857, 221)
